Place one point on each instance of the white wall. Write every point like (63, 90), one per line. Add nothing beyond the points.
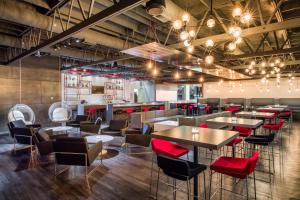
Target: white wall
(166, 92)
(253, 89)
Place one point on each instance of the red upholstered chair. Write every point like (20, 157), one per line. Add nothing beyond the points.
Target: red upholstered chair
(145, 109)
(91, 113)
(161, 107)
(203, 125)
(129, 110)
(235, 167)
(275, 128)
(243, 131)
(166, 148)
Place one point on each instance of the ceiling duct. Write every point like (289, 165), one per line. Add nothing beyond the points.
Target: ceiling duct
(155, 7)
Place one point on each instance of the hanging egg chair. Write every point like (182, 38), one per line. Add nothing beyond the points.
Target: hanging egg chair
(59, 112)
(21, 112)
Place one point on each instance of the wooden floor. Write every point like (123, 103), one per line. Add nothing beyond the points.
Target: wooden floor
(125, 176)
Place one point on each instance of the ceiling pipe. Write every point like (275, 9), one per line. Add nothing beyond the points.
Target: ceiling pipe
(18, 12)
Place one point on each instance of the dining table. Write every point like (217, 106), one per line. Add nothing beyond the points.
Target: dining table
(212, 139)
(235, 121)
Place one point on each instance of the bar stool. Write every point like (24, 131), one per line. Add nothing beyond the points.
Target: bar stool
(92, 113)
(166, 148)
(235, 167)
(146, 109)
(288, 116)
(179, 169)
(161, 107)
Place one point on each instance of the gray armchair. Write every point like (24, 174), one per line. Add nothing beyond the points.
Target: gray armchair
(91, 127)
(139, 137)
(115, 128)
(76, 151)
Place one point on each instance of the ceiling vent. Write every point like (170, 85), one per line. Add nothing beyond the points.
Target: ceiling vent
(156, 9)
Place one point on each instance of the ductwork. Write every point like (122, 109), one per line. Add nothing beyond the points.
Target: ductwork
(23, 13)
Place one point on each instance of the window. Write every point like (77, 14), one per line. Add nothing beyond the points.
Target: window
(181, 93)
(195, 92)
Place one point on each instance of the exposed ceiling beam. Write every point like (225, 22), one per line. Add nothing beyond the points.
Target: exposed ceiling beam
(112, 11)
(287, 24)
(265, 53)
(97, 62)
(292, 62)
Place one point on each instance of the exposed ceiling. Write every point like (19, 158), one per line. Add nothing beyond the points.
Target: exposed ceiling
(25, 24)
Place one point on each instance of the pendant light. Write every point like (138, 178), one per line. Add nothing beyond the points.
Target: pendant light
(211, 22)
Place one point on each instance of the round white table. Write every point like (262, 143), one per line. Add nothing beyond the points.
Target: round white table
(97, 138)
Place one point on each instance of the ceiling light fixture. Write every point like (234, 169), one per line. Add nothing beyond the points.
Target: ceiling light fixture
(177, 24)
(209, 59)
(237, 12)
(209, 43)
(187, 43)
(185, 17)
(190, 49)
(184, 35)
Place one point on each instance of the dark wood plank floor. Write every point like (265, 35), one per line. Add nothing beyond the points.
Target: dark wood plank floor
(127, 177)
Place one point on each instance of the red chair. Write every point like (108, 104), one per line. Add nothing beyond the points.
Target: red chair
(145, 109)
(161, 107)
(91, 113)
(235, 167)
(129, 110)
(275, 127)
(203, 125)
(166, 148)
(243, 131)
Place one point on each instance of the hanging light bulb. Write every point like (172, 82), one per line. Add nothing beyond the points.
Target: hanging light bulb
(252, 62)
(246, 18)
(277, 69)
(209, 43)
(192, 33)
(190, 73)
(190, 49)
(237, 12)
(235, 31)
(187, 43)
(231, 46)
(239, 40)
(277, 61)
(268, 75)
(281, 64)
(253, 71)
(185, 17)
(149, 65)
(247, 70)
(272, 64)
(263, 71)
(211, 22)
(290, 75)
(272, 72)
(263, 64)
(184, 35)
(201, 79)
(177, 75)
(209, 59)
(177, 24)
(155, 72)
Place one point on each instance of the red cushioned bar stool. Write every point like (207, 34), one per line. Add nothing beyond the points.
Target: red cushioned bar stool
(239, 168)
(275, 128)
(243, 133)
(166, 148)
(288, 116)
(91, 113)
(146, 109)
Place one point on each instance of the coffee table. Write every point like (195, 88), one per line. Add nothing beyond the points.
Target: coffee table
(106, 139)
(57, 129)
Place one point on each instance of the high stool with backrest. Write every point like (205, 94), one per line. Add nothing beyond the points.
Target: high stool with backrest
(243, 133)
(235, 167)
(179, 169)
(166, 148)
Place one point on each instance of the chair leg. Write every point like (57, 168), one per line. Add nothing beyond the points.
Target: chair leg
(151, 173)
(210, 180)
(221, 191)
(204, 185)
(188, 188)
(247, 191)
(157, 183)
(270, 178)
(254, 185)
(174, 189)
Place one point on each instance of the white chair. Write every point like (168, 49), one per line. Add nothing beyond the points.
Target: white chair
(59, 112)
(21, 112)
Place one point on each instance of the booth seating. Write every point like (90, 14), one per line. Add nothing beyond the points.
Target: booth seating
(150, 117)
(196, 120)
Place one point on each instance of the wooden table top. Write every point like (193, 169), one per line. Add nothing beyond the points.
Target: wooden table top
(206, 137)
(254, 114)
(231, 121)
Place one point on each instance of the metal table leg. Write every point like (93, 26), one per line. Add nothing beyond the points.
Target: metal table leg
(196, 184)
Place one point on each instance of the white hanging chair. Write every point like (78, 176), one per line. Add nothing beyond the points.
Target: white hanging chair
(21, 112)
(59, 112)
